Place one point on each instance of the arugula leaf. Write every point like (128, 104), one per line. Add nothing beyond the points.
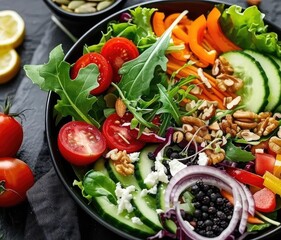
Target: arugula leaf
(138, 73)
(236, 154)
(168, 104)
(97, 184)
(75, 99)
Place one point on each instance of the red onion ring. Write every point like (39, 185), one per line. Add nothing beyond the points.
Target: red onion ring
(243, 201)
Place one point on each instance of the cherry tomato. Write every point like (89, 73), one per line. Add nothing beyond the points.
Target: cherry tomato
(105, 69)
(118, 136)
(11, 135)
(245, 177)
(119, 50)
(151, 136)
(80, 143)
(264, 162)
(15, 179)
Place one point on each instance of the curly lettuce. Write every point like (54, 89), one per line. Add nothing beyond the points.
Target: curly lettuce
(248, 30)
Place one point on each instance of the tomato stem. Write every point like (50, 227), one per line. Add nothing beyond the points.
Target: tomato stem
(2, 186)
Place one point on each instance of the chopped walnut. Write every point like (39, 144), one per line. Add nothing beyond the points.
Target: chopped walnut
(266, 126)
(215, 157)
(228, 126)
(222, 66)
(122, 163)
(229, 83)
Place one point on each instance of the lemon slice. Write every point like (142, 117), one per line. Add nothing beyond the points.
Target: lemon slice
(12, 29)
(9, 65)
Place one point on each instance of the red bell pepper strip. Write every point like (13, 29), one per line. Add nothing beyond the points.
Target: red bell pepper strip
(245, 177)
(196, 33)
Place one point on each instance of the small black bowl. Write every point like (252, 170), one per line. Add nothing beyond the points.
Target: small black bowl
(79, 23)
(62, 167)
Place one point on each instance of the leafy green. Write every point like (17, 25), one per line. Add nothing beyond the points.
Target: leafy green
(236, 154)
(248, 30)
(257, 227)
(97, 184)
(168, 104)
(138, 29)
(75, 99)
(138, 73)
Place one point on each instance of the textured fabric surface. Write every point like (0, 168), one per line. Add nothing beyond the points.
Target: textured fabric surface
(50, 213)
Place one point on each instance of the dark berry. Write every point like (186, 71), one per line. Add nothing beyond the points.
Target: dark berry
(200, 195)
(197, 213)
(206, 200)
(195, 189)
(151, 156)
(205, 208)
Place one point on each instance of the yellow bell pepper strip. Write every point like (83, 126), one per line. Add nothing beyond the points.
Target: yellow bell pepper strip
(277, 166)
(214, 29)
(158, 23)
(272, 182)
(196, 34)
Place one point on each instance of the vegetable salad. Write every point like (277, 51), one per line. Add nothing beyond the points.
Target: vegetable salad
(176, 122)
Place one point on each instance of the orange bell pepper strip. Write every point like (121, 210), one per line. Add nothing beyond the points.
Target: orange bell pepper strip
(215, 31)
(172, 17)
(158, 23)
(196, 34)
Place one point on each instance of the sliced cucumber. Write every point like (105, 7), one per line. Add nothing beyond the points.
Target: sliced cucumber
(278, 61)
(170, 225)
(108, 211)
(255, 90)
(145, 206)
(144, 165)
(271, 69)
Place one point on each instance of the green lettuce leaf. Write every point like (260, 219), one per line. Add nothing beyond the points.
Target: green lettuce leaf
(75, 99)
(237, 154)
(248, 30)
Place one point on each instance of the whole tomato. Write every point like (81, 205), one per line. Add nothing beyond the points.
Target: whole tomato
(15, 179)
(11, 133)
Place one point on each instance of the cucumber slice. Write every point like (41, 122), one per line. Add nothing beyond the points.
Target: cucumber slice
(170, 225)
(144, 165)
(255, 90)
(271, 69)
(145, 206)
(108, 211)
(278, 61)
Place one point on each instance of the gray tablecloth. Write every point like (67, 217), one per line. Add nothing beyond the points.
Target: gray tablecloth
(49, 212)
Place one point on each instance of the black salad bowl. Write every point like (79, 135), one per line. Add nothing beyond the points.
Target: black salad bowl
(62, 167)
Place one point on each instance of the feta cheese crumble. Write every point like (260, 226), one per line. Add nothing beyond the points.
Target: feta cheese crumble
(136, 220)
(203, 159)
(176, 166)
(124, 197)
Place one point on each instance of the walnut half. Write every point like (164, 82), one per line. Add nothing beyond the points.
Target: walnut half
(122, 162)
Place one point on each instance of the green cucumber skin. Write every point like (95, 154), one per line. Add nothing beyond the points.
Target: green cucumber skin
(143, 166)
(278, 62)
(148, 201)
(255, 101)
(272, 70)
(169, 224)
(108, 211)
(109, 214)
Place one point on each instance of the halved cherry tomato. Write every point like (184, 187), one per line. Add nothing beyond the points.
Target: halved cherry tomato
(118, 136)
(119, 50)
(105, 69)
(11, 135)
(245, 177)
(264, 162)
(81, 143)
(15, 179)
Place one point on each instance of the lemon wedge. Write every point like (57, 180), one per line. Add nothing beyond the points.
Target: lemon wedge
(12, 29)
(9, 65)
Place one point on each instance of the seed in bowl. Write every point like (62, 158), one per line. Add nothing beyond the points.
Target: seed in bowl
(81, 6)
